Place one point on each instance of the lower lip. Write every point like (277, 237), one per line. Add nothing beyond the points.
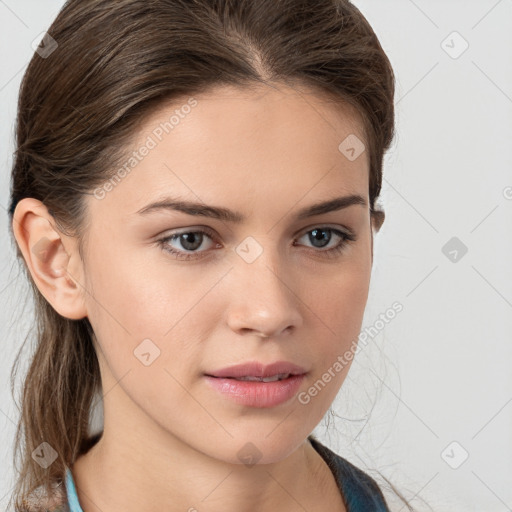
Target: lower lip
(257, 394)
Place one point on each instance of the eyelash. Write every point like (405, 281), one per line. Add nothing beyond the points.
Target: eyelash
(346, 238)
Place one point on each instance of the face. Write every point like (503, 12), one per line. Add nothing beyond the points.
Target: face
(269, 286)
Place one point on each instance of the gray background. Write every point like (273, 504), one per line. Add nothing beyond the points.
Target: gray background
(434, 385)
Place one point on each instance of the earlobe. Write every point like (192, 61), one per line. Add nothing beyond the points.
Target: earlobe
(377, 219)
(51, 258)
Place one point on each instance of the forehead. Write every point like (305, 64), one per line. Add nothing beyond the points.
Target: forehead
(232, 144)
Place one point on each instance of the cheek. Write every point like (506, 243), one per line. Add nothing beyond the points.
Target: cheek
(133, 301)
(338, 293)
(337, 299)
(146, 325)
(340, 311)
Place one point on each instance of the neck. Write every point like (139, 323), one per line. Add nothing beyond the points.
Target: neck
(142, 473)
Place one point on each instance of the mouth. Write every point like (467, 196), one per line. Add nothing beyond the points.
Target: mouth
(254, 391)
(273, 378)
(257, 371)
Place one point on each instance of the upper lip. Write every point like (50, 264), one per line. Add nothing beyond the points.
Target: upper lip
(257, 369)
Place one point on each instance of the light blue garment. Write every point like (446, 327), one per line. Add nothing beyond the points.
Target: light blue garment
(73, 503)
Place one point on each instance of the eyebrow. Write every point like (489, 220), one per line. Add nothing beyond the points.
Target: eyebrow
(224, 214)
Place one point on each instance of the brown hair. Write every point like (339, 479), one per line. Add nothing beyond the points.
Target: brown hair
(112, 64)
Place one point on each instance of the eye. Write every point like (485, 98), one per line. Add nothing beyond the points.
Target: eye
(321, 237)
(192, 241)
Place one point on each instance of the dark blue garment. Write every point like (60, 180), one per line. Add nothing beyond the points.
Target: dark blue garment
(360, 492)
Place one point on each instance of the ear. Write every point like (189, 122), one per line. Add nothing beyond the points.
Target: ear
(376, 220)
(52, 258)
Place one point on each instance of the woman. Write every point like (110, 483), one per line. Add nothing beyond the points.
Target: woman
(194, 200)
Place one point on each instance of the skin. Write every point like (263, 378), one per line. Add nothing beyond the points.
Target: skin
(170, 441)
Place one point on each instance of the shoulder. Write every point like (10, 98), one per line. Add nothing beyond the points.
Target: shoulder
(360, 490)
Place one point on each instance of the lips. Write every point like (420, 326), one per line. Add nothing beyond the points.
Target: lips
(256, 394)
(258, 370)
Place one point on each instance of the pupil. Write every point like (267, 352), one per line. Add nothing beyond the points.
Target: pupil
(191, 241)
(316, 235)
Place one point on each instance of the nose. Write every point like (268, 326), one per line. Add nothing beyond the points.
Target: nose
(264, 299)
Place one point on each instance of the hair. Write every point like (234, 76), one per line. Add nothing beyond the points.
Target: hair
(115, 63)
